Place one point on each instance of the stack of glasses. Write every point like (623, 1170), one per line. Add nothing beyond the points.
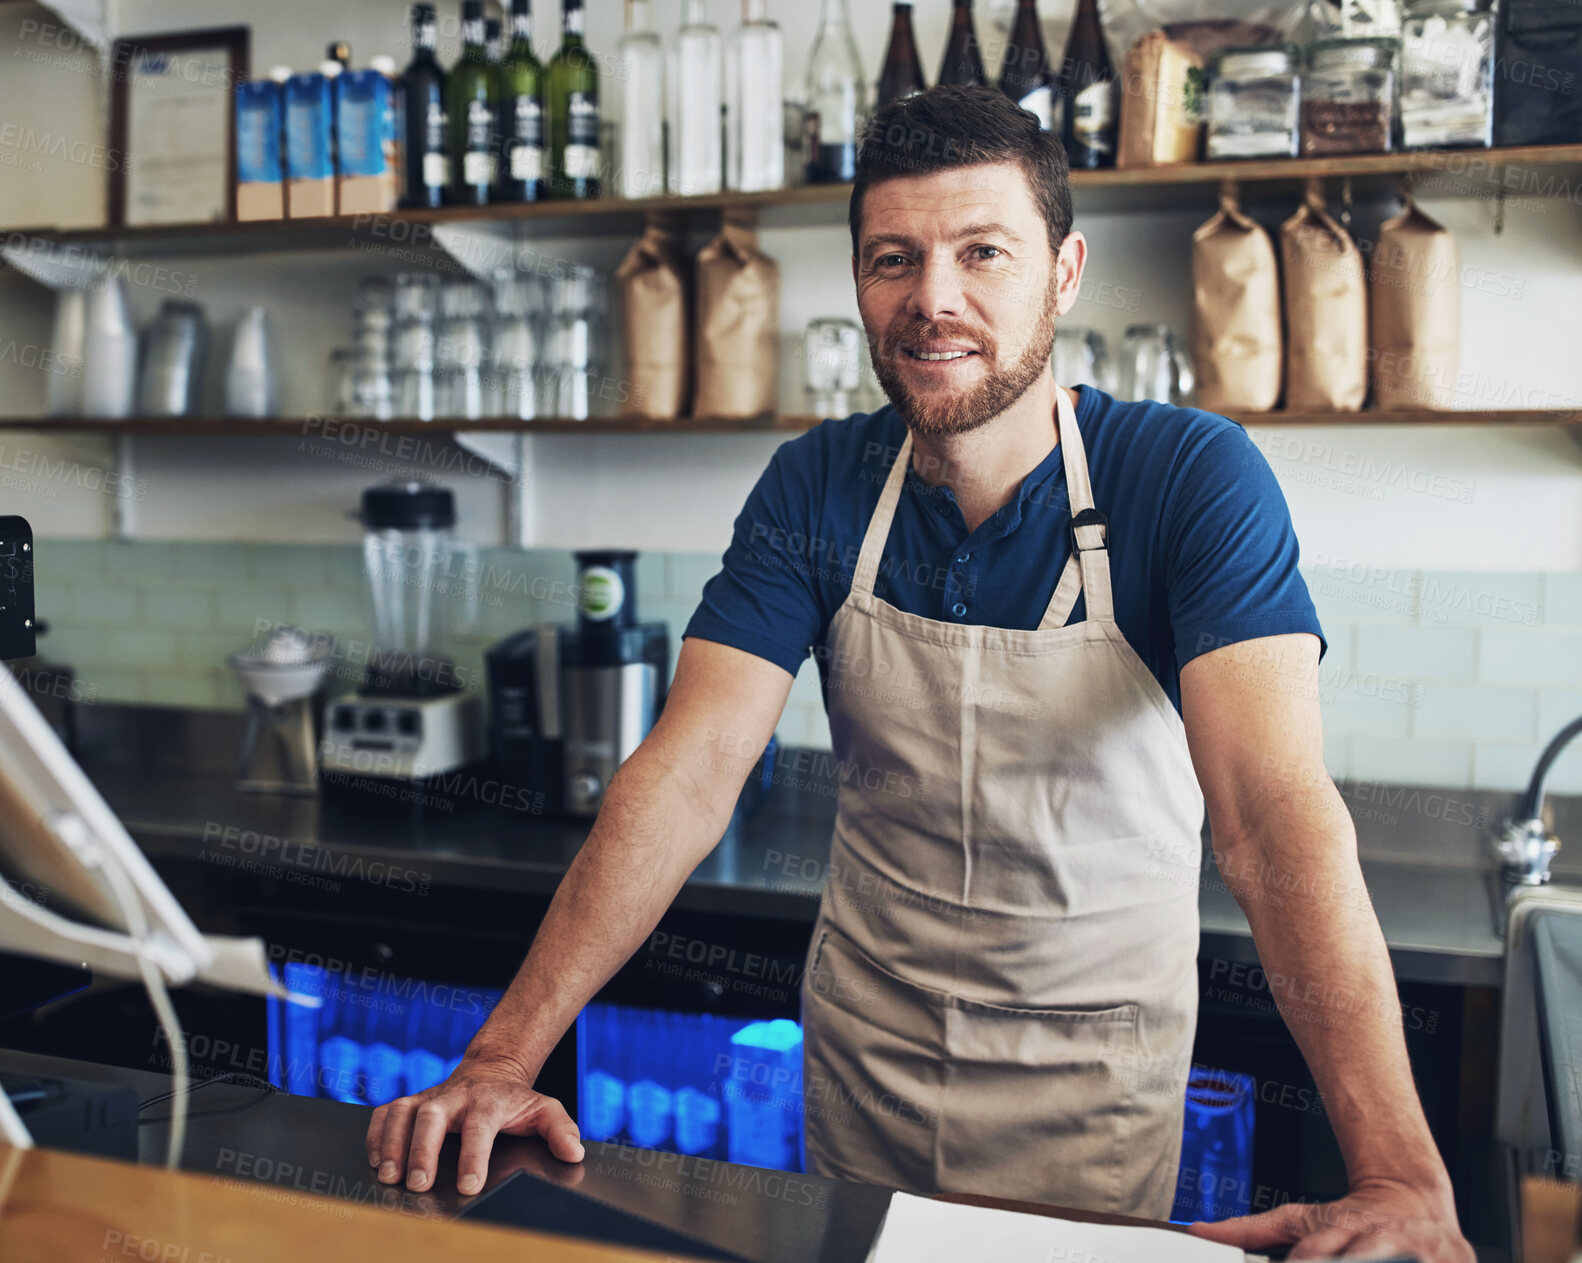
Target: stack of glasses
(462, 348)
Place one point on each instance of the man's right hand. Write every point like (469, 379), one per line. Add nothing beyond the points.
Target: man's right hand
(481, 1100)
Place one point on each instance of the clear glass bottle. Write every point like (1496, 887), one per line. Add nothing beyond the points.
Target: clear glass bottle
(1252, 102)
(696, 94)
(837, 99)
(640, 105)
(754, 102)
(1348, 96)
(1447, 73)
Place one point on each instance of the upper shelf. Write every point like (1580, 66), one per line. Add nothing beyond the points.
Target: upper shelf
(1539, 171)
(313, 427)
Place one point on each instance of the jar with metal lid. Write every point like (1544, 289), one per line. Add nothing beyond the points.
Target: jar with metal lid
(1252, 102)
(1447, 73)
(1348, 96)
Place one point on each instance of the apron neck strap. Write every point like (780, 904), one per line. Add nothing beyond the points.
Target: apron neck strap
(1088, 570)
(879, 525)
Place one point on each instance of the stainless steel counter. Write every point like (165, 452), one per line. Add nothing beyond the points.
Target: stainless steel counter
(1423, 850)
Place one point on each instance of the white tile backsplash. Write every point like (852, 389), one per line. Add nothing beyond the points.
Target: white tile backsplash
(1483, 713)
(1545, 657)
(1450, 679)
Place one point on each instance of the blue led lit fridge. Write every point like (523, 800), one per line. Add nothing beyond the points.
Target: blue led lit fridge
(376, 1037)
(692, 1083)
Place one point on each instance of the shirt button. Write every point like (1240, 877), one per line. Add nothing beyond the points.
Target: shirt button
(959, 609)
(964, 558)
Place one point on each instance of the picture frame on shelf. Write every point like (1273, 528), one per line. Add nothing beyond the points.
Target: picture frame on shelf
(173, 126)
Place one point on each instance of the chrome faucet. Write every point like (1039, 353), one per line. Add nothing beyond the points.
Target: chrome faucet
(1524, 845)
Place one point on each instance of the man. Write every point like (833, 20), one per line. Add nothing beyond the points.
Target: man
(1038, 664)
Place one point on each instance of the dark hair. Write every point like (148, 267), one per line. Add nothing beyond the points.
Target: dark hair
(950, 126)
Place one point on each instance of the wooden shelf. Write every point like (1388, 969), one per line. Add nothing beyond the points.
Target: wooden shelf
(330, 427)
(1454, 172)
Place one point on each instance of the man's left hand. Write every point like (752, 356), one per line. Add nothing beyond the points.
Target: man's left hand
(1375, 1220)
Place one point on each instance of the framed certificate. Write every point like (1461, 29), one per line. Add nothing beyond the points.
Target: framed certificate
(173, 128)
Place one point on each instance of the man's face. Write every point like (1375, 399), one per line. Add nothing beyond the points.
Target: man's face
(959, 291)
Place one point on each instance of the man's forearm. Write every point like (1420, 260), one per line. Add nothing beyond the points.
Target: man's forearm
(1329, 970)
(652, 831)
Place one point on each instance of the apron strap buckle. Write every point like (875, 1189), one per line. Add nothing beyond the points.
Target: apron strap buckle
(1092, 527)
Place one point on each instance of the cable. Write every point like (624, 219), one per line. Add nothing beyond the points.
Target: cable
(230, 1076)
(159, 997)
(12, 1129)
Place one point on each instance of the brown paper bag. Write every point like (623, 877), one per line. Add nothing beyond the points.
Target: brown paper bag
(653, 287)
(738, 326)
(1326, 311)
(1162, 103)
(1235, 312)
(1414, 313)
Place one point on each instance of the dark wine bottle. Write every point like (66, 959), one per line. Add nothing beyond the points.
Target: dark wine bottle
(491, 40)
(963, 62)
(1087, 90)
(903, 72)
(470, 104)
(519, 167)
(425, 142)
(571, 101)
(1024, 70)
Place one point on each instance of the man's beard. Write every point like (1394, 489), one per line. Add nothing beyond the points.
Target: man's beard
(936, 413)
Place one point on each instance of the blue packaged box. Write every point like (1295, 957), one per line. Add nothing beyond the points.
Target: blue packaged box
(260, 193)
(365, 134)
(310, 164)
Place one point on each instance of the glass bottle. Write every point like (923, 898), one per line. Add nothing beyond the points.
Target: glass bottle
(963, 61)
(492, 45)
(1024, 69)
(572, 103)
(837, 100)
(1447, 79)
(640, 105)
(471, 109)
(1087, 90)
(696, 93)
(425, 142)
(519, 164)
(754, 102)
(902, 74)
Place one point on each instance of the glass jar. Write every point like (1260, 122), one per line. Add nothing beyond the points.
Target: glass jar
(1252, 102)
(1447, 73)
(1348, 96)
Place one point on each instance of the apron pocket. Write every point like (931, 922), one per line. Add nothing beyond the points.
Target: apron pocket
(1032, 1110)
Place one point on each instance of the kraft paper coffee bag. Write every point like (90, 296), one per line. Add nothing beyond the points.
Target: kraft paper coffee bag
(1235, 312)
(1414, 312)
(654, 319)
(738, 324)
(1326, 311)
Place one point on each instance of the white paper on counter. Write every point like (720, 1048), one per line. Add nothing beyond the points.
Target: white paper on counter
(921, 1230)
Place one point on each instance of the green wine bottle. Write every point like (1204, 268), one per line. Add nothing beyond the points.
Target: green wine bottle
(571, 96)
(519, 169)
(470, 102)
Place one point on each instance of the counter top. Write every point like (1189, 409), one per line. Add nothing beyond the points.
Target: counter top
(1436, 913)
(308, 1154)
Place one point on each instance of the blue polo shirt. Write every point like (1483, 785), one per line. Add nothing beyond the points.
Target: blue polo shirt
(1202, 552)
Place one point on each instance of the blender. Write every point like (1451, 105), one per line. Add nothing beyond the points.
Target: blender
(410, 720)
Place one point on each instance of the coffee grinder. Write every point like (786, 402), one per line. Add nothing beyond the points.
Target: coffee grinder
(410, 721)
(569, 705)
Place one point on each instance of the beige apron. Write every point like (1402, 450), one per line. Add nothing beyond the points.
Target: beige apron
(1001, 989)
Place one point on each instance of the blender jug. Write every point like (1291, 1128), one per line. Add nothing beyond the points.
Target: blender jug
(410, 560)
